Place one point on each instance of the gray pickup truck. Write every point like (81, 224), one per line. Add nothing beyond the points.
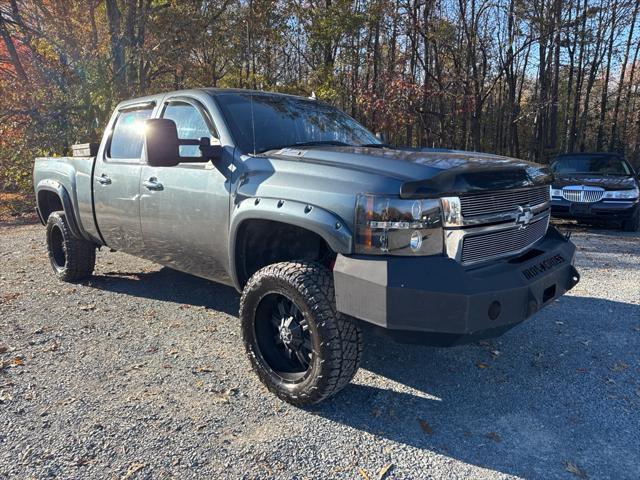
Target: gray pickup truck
(324, 229)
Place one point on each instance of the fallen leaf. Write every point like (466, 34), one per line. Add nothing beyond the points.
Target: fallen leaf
(384, 470)
(3, 349)
(133, 468)
(7, 297)
(495, 353)
(204, 369)
(53, 347)
(363, 473)
(619, 367)
(16, 362)
(482, 365)
(574, 469)
(426, 428)
(493, 436)
(5, 396)
(87, 308)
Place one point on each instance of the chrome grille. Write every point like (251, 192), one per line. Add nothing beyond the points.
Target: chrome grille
(504, 242)
(502, 201)
(583, 194)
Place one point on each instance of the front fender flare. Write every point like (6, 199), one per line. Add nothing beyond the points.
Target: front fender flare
(324, 223)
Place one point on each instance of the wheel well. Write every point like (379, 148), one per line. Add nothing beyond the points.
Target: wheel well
(264, 242)
(48, 202)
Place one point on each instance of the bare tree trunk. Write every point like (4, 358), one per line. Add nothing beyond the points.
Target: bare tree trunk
(613, 140)
(605, 85)
(13, 53)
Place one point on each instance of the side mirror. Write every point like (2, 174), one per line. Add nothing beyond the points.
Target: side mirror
(163, 145)
(161, 142)
(381, 136)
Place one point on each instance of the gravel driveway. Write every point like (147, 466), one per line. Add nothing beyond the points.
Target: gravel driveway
(140, 373)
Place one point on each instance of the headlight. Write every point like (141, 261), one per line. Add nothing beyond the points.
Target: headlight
(622, 194)
(393, 226)
(556, 192)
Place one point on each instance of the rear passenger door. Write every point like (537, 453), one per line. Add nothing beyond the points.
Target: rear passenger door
(116, 182)
(184, 210)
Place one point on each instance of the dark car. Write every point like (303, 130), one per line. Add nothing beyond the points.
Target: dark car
(596, 187)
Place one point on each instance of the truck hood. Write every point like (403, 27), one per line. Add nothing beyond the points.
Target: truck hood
(426, 173)
(608, 182)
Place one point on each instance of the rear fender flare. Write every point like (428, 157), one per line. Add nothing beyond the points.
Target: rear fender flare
(67, 205)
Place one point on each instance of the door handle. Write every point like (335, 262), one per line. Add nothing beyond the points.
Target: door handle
(153, 184)
(103, 179)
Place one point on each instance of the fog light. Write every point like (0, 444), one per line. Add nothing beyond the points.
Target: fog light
(416, 241)
(494, 310)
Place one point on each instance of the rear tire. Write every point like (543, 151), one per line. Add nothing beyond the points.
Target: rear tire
(633, 224)
(300, 347)
(71, 258)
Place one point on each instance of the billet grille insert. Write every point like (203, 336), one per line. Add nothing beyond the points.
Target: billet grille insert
(502, 201)
(504, 242)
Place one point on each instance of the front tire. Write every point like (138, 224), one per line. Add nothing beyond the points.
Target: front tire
(71, 258)
(300, 347)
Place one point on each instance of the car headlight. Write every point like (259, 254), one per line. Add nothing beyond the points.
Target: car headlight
(392, 226)
(556, 192)
(622, 194)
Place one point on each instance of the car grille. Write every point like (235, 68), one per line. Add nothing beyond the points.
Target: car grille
(583, 194)
(502, 243)
(502, 201)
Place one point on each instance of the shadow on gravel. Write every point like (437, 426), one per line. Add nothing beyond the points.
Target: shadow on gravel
(170, 285)
(562, 387)
(596, 229)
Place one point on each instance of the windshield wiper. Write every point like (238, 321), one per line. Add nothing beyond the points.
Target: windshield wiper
(306, 144)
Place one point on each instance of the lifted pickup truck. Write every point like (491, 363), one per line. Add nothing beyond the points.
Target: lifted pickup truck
(323, 229)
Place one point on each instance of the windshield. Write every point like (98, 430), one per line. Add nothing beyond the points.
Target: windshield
(280, 121)
(596, 164)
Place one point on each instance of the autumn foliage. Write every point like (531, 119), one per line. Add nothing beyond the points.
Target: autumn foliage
(527, 78)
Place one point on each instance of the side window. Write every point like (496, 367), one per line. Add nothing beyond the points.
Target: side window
(190, 124)
(128, 134)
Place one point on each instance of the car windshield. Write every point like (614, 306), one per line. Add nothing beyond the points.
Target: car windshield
(281, 121)
(595, 164)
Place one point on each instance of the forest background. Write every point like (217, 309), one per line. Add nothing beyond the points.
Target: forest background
(525, 78)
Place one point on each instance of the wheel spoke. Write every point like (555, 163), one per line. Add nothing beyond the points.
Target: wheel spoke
(301, 358)
(282, 309)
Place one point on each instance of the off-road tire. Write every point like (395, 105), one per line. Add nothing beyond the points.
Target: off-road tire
(337, 340)
(71, 258)
(632, 224)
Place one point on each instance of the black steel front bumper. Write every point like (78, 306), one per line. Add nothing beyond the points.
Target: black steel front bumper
(437, 300)
(602, 211)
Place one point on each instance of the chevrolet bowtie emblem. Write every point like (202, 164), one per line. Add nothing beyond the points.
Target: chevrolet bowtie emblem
(524, 217)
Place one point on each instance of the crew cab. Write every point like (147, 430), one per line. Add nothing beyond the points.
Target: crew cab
(322, 228)
(596, 187)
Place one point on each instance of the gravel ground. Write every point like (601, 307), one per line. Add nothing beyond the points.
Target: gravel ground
(140, 373)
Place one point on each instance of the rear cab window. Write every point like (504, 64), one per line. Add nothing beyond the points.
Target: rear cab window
(127, 137)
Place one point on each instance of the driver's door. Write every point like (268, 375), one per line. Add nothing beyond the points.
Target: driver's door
(184, 210)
